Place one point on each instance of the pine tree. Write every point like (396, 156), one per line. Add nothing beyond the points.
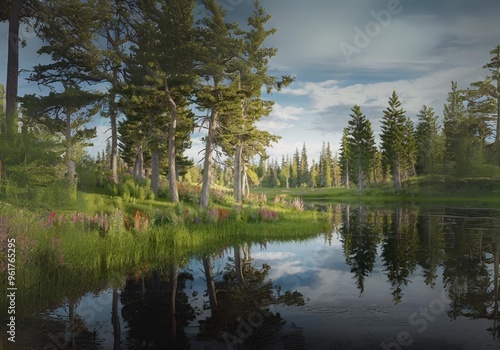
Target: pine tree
(219, 47)
(345, 157)
(164, 56)
(393, 139)
(486, 95)
(305, 178)
(295, 169)
(285, 171)
(336, 172)
(315, 175)
(78, 54)
(428, 141)
(329, 166)
(459, 131)
(361, 144)
(66, 113)
(410, 147)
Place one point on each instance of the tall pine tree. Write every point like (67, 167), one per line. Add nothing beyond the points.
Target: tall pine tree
(393, 139)
(362, 144)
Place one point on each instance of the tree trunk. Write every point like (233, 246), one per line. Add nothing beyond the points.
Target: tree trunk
(238, 265)
(70, 165)
(396, 173)
(497, 135)
(207, 164)
(360, 179)
(114, 142)
(209, 277)
(173, 311)
(246, 187)
(12, 69)
(155, 159)
(155, 171)
(237, 181)
(172, 172)
(115, 321)
(139, 165)
(375, 181)
(347, 175)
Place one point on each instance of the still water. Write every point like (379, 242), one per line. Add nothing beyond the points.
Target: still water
(391, 278)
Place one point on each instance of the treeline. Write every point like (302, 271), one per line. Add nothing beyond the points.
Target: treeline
(156, 69)
(463, 143)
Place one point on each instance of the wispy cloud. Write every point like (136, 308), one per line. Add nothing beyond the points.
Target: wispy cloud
(281, 117)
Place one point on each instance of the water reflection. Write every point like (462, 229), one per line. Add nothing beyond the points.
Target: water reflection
(156, 310)
(378, 273)
(240, 303)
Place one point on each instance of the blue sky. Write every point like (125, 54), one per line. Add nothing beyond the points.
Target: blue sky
(346, 52)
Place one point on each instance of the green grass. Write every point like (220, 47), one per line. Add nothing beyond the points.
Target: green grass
(71, 258)
(386, 195)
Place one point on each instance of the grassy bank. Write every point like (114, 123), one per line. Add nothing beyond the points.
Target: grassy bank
(438, 190)
(63, 254)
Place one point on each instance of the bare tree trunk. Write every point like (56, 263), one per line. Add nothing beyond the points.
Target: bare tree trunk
(360, 179)
(139, 165)
(207, 164)
(396, 173)
(244, 181)
(172, 172)
(497, 135)
(70, 165)
(155, 171)
(155, 159)
(115, 320)
(238, 265)
(375, 181)
(237, 181)
(114, 142)
(12, 69)
(173, 311)
(496, 261)
(209, 277)
(347, 175)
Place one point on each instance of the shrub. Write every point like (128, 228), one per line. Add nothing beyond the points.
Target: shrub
(188, 193)
(298, 204)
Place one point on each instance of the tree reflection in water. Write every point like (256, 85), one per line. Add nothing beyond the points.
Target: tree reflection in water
(244, 297)
(157, 310)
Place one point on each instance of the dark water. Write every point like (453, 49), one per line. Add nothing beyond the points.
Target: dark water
(396, 278)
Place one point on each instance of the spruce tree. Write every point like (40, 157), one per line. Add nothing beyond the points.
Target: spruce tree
(428, 141)
(305, 178)
(285, 171)
(295, 170)
(486, 95)
(410, 147)
(65, 113)
(329, 166)
(164, 56)
(345, 157)
(362, 144)
(219, 47)
(393, 139)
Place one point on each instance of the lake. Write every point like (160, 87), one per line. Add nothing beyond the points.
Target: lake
(383, 278)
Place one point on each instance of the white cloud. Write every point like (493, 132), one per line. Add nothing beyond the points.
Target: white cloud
(272, 255)
(281, 117)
